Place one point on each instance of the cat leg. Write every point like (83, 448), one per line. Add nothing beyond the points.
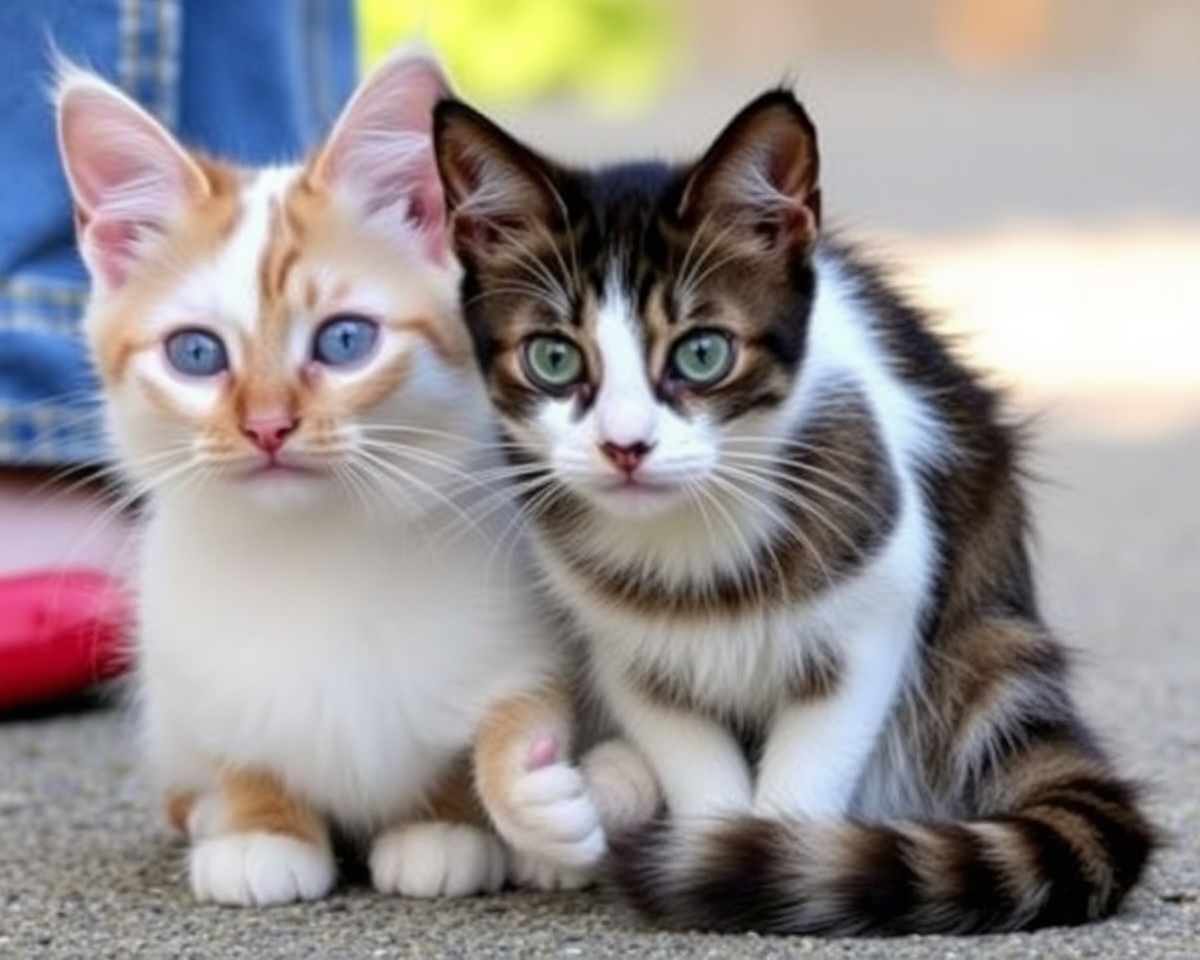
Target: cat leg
(818, 746)
(537, 799)
(451, 853)
(622, 784)
(698, 762)
(254, 844)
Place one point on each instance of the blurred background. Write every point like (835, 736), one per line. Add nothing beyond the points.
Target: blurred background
(1031, 168)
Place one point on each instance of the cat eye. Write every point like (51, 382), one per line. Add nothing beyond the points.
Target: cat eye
(196, 353)
(344, 339)
(703, 358)
(552, 363)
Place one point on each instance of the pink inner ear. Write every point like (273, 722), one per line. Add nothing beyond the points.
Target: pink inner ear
(380, 154)
(127, 175)
(428, 214)
(112, 244)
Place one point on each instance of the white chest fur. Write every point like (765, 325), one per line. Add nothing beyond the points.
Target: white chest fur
(352, 660)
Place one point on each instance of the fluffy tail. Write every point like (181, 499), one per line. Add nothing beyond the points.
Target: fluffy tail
(1068, 855)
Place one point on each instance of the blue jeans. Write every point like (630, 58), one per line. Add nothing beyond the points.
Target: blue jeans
(255, 81)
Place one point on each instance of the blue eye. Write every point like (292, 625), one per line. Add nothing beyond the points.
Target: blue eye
(344, 339)
(196, 353)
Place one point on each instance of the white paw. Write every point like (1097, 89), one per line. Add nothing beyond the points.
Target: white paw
(621, 784)
(549, 816)
(437, 860)
(257, 869)
(539, 873)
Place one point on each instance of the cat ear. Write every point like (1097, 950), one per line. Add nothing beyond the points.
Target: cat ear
(379, 156)
(129, 178)
(500, 195)
(760, 177)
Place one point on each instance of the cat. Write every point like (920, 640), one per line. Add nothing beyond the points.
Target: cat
(322, 631)
(787, 524)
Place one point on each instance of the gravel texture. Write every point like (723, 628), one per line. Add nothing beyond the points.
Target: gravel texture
(87, 872)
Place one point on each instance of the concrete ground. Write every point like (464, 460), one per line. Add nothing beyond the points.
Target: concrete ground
(86, 871)
(1093, 324)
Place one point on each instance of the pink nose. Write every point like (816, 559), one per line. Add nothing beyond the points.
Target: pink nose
(269, 432)
(626, 457)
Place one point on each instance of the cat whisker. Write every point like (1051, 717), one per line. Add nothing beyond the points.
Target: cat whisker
(752, 503)
(83, 475)
(805, 505)
(533, 267)
(573, 277)
(430, 458)
(495, 497)
(122, 503)
(701, 229)
(398, 473)
(858, 500)
(527, 507)
(702, 269)
(537, 293)
(780, 449)
(749, 561)
(358, 488)
(457, 438)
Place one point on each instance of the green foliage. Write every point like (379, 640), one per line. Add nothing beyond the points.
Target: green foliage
(615, 52)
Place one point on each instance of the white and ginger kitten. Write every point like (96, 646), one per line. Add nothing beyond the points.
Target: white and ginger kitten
(325, 648)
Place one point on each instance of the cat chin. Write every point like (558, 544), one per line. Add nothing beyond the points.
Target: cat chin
(636, 500)
(286, 491)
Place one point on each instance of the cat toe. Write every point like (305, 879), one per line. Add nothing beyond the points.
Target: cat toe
(428, 860)
(539, 873)
(259, 869)
(554, 819)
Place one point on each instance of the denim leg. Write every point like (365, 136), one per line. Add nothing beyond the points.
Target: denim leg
(45, 387)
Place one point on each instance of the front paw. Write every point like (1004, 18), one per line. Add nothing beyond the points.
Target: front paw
(549, 818)
(538, 873)
(435, 859)
(259, 869)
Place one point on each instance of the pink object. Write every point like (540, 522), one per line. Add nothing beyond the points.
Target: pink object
(544, 752)
(60, 632)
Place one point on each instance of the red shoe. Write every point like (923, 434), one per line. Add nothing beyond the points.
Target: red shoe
(60, 633)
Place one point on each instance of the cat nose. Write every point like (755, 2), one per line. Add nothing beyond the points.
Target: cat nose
(626, 457)
(270, 431)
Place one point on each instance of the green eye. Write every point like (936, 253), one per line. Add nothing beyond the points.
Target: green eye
(552, 362)
(702, 358)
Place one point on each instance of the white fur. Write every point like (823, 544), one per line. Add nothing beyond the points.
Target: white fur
(553, 806)
(259, 869)
(625, 413)
(429, 860)
(356, 660)
(815, 753)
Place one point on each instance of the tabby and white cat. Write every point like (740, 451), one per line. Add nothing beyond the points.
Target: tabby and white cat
(321, 636)
(788, 525)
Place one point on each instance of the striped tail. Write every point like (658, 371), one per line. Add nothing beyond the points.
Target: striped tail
(1068, 855)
